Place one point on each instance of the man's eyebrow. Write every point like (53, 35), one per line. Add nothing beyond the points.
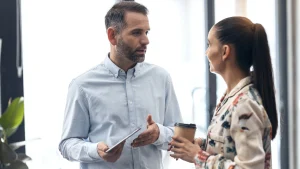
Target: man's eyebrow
(139, 29)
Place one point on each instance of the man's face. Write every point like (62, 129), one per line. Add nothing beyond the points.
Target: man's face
(133, 40)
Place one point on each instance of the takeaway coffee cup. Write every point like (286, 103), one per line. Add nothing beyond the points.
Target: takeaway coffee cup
(185, 130)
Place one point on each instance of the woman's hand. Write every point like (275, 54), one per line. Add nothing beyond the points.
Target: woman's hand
(198, 141)
(184, 149)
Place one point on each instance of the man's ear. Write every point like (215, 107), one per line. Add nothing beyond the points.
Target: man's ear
(112, 35)
(226, 49)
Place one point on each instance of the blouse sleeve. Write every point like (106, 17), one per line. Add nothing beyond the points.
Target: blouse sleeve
(247, 127)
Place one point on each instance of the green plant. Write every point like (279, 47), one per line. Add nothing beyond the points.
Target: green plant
(9, 123)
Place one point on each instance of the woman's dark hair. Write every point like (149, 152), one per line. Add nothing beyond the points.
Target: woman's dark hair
(252, 49)
(116, 15)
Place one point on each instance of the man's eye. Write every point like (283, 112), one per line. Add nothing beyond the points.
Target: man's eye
(136, 33)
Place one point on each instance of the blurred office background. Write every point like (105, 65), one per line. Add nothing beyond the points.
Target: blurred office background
(46, 43)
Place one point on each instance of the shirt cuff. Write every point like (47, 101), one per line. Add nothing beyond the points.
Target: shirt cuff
(161, 136)
(92, 151)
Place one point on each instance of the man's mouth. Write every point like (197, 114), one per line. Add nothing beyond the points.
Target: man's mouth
(141, 51)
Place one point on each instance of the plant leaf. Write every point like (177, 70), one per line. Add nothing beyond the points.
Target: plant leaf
(3, 137)
(17, 165)
(7, 155)
(1, 132)
(23, 157)
(16, 145)
(10, 131)
(13, 115)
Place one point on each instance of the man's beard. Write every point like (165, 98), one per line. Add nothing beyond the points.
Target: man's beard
(124, 50)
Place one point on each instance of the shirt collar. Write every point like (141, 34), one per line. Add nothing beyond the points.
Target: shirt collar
(116, 71)
(242, 83)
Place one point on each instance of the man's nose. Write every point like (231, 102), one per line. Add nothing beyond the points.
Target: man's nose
(145, 40)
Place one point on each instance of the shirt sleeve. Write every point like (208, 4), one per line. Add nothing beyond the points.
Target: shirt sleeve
(172, 116)
(74, 144)
(247, 126)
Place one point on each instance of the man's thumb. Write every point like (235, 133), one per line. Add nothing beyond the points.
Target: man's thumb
(149, 120)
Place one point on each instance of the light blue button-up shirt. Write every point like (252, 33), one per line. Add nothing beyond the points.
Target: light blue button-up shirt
(106, 103)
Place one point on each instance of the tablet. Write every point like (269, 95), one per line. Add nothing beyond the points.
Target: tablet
(136, 130)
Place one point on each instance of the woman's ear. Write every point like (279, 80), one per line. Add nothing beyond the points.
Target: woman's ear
(111, 35)
(226, 52)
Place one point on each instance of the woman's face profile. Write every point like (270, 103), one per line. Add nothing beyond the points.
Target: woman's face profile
(213, 52)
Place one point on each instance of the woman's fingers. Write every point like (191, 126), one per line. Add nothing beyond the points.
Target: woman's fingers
(174, 143)
(177, 150)
(180, 139)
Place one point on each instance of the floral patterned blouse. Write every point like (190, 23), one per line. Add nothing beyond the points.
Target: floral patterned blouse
(240, 132)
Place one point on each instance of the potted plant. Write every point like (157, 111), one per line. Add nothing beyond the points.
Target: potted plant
(9, 123)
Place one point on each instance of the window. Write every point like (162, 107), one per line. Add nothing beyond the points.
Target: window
(177, 43)
(61, 39)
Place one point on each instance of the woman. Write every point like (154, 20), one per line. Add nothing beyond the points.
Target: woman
(245, 120)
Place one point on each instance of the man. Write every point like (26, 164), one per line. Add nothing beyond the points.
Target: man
(121, 94)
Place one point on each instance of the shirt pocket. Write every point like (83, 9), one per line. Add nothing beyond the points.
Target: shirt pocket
(215, 143)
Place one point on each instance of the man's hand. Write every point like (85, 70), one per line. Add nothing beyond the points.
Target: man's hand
(111, 156)
(149, 136)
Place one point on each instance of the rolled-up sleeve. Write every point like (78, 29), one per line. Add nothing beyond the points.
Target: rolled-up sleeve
(74, 144)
